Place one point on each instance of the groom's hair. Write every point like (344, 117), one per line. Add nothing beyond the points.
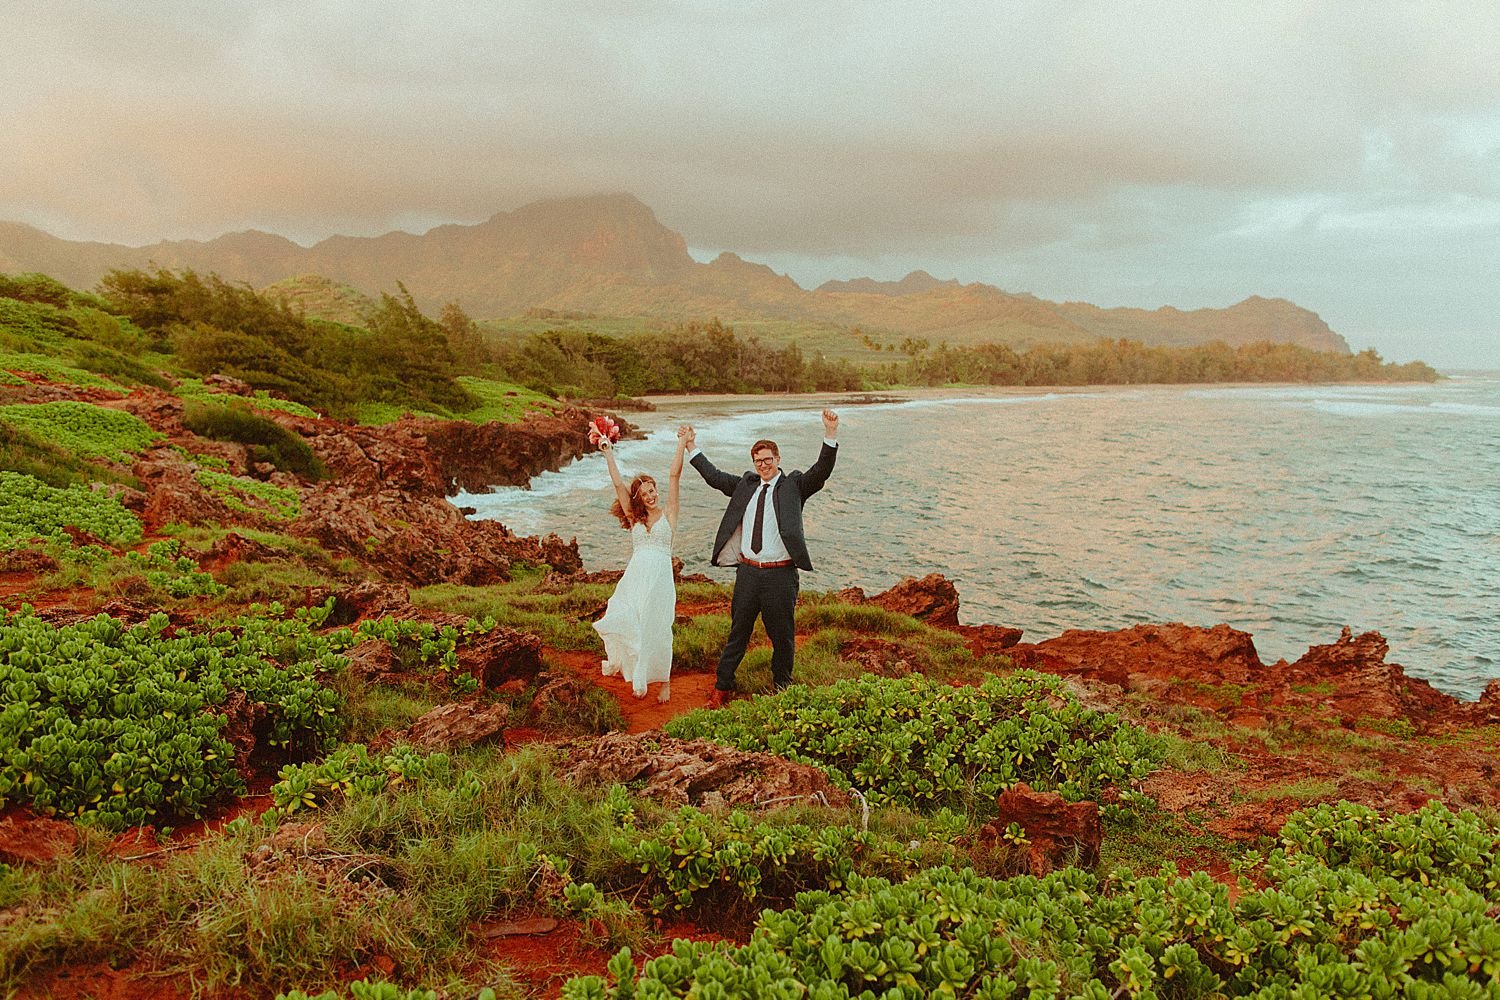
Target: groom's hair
(763, 443)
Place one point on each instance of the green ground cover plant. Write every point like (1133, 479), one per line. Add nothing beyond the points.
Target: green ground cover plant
(22, 450)
(1308, 930)
(164, 567)
(83, 428)
(252, 496)
(116, 725)
(30, 509)
(913, 741)
(51, 369)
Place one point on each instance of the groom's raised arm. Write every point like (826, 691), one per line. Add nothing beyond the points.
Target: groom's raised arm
(817, 474)
(719, 480)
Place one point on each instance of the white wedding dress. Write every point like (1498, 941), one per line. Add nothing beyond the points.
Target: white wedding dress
(637, 624)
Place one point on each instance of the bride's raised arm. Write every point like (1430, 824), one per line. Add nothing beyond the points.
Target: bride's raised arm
(622, 491)
(674, 480)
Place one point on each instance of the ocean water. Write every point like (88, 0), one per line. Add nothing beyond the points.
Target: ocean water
(1285, 511)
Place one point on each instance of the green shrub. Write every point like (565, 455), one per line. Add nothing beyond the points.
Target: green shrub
(108, 361)
(921, 743)
(268, 441)
(33, 287)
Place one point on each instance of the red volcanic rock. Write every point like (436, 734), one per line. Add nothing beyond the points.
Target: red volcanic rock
(460, 724)
(438, 457)
(501, 655)
(375, 661)
(161, 410)
(27, 837)
(174, 495)
(228, 384)
(877, 656)
(696, 772)
(560, 689)
(476, 457)
(1059, 831)
(359, 459)
(1253, 820)
(368, 599)
(1359, 683)
(421, 539)
(933, 599)
(234, 548)
(242, 717)
(988, 639)
(1127, 658)
(1486, 711)
(26, 561)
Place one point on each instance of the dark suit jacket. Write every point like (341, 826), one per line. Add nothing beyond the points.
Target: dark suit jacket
(790, 494)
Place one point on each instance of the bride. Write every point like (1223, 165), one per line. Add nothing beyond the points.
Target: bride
(637, 624)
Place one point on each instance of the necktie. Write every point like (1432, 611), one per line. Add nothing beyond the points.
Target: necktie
(757, 535)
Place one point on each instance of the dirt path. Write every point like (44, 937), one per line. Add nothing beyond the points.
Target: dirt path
(689, 690)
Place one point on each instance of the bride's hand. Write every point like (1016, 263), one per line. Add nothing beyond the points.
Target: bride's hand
(606, 445)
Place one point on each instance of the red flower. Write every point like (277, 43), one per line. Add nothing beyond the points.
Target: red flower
(601, 428)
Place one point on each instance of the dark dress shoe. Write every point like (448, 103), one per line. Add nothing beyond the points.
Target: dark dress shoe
(717, 699)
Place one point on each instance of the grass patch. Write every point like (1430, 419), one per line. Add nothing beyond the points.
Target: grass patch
(561, 619)
(1304, 789)
(504, 402)
(403, 873)
(1154, 836)
(697, 643)
(371, 709)
(1189, 755)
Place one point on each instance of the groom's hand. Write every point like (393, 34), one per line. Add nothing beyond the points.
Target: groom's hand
(830, 424)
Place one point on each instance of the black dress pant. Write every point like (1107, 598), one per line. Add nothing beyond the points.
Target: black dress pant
(771, 595)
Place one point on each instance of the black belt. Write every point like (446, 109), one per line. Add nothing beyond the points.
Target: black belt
(766, 565)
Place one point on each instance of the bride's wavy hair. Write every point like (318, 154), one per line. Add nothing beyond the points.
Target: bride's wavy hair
(637, 511)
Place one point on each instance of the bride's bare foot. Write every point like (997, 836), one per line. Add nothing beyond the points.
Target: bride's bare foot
(641, 693)
(665, 694)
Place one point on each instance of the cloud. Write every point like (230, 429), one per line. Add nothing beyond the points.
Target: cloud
(1086, 148)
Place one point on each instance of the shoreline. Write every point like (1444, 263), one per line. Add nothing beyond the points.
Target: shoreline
(877, 396)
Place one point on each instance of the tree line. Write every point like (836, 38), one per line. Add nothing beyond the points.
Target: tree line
(400, 356)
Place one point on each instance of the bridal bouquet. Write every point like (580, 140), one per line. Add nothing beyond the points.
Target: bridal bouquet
(601, 429)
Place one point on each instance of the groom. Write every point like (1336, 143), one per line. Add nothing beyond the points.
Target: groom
(761, 535)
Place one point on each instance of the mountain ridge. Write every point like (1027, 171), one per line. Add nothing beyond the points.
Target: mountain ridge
(608, 254)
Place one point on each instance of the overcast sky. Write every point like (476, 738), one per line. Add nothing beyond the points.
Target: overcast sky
(1342, 155)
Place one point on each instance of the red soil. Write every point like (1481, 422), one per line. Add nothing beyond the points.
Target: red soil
(543, 962)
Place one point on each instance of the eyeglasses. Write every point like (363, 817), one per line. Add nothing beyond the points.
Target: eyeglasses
(768, 460)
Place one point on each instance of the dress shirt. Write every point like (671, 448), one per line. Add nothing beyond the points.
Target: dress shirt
(772, 548)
